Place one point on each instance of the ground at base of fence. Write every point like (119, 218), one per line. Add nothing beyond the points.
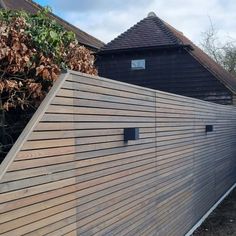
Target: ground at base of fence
(222, 221)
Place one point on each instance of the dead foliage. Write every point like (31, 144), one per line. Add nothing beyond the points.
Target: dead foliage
(33, 51)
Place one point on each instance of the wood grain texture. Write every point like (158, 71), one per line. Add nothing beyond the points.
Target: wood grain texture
(71, 173)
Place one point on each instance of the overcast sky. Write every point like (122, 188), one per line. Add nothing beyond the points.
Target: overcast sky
(106, 19)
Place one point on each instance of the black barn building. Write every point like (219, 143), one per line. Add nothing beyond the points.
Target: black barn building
(153, 54)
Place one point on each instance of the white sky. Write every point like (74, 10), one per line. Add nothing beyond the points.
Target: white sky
(106, 19)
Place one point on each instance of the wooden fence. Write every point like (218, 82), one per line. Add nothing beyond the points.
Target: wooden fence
(71, 173)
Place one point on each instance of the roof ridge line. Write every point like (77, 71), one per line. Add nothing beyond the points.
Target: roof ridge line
(122, 34)
(167, 29)
(171, 38)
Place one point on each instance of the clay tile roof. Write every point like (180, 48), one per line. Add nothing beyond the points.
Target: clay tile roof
(149, 32)
(154, 32)
(32, 7)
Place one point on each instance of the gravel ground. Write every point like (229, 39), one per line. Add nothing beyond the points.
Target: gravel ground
(222, 221)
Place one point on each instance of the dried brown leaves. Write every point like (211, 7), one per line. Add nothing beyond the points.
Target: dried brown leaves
(26, 75)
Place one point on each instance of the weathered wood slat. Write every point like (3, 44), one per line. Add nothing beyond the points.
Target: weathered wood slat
(78, 94)
(82, 133)
(97, 111)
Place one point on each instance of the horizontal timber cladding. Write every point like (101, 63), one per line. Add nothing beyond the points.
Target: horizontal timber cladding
(71, 173)
(170, 70)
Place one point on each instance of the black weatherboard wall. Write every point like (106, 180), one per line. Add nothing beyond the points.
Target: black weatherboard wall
(172, 71)
(172, 63)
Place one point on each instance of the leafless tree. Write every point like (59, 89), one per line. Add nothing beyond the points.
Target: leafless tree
(224, 53)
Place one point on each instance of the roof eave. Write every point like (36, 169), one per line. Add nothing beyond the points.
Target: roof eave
(166, 47)
(93, 46)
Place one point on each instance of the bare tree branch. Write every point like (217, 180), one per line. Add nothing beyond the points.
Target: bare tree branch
(223, 53)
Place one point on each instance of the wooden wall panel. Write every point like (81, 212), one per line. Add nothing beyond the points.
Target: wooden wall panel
(72, 173)
(170, 70)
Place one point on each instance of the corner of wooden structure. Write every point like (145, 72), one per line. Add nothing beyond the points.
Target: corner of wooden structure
(10, 157)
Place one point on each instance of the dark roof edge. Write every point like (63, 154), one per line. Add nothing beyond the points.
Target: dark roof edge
(69, 24)
(168, 47)
(156, 20)
(167, 29)
(220, 79)
(55, 17)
